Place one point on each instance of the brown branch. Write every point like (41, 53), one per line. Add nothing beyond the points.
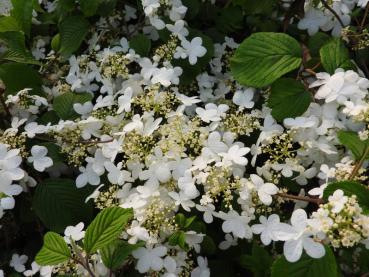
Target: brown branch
(326, 5)
(316, 201)
(365, 16)
(359, 163)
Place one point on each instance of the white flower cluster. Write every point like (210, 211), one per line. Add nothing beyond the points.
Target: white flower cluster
(319, 17)
(162, 149)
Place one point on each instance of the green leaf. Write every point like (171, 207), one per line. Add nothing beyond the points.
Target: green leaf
(73, 30)
(141, 44)
(106, 7)
(89, 7)
(106, 227)
(63, 104)
(288, 98)
(264, 57)
(16, 51)
(306, 266)
(55, 42)
(114, 254)
(259, 262)
(9, 24)
(352, 141)
(256, 7)
(316, 42)
(58, 203)
(335, 55)
(22, 12)
(54, 251)
(178, 238)
(350, 188)
(10, 72)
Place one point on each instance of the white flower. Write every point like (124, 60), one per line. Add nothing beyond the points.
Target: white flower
(236, 224)
(265, 190)
(39, 159)
(178, 28)
(312, 21)
(75, 233)
(208, 212)
(194, 240)
(270, 229)
(337, 200)
(34, 269)
(212, 112)
(228, 242)
(182, 200)
(192, 50)
(202, 270)
(124, 101)
(87, 176)
(244, 98)
(235, 155)
(9, 167)
(300, 238)
(83, 109)
(149, 258)
(17, 262)
(166, 76)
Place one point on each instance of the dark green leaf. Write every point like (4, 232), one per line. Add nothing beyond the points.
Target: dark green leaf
(264, 57)
(352, 141)
(316, 42)
(288, 98)
(22, 12)
(73, 30)
(306, 266)
(114, 254)
(335, 55)
(63, 104)
(9, 24)
(350, 188)
(59, 204)
(259, 262)
(10, 72)
(89, 7)
(106, 227)
(54, 251)
(141, 44)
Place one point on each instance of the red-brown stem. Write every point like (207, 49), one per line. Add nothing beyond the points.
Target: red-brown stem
(316, 201)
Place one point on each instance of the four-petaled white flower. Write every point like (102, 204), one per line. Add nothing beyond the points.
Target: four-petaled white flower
(244, 98)
(265, 190)
(337, 200)
(202, 269)
(149, 258)
(236, 224)
(192, 49)
(39, 159)
(9, 167)
(17, 262)
(75, 233)
(235, 155)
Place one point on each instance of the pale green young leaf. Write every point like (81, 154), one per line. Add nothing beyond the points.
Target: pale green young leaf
(54, 250)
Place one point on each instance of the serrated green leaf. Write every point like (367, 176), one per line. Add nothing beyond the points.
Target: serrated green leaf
(114, 254)
(63, 104)
(352, 141)
(350, 188)
(58, 203)
(54, 250)
(9, 24)
(73, 30)
(306, 266)
(16, 51)
(259, 262)
(288, 98)
(264, 57)
(22, 12)
(105, 228)
(141, 44)
(10, 72)
(335, 55)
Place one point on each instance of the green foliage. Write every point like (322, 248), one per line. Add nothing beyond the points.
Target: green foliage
(63, 104)
(335, 55)
(288, 98)
(89, 7)
(259, 262)
(358, 147)
(141, 44)
(264, 7)
(58, 203)
(262, 58)
(17, 52)
(306, 266)
(54, 251)
(114, 254)
(22, 12)
(9, 24)
(105, 228)
(73, 30)
(350, 188)
(10, 72)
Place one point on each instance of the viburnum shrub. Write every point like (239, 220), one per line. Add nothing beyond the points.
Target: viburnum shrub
(184, 138)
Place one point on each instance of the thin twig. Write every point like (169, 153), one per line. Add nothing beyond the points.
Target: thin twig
(316, 201)
(359, 163)
(365, 16)
(326, 5)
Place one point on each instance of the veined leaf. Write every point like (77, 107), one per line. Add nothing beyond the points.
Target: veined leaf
(54, 251)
